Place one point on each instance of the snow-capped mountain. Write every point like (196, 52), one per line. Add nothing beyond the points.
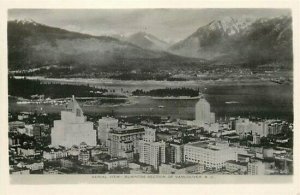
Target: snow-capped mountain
(32, 44)
(26, 21)
(147, 41)
(230, 26)
(243, 40)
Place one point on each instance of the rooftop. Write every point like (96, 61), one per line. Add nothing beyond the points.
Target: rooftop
(237, 162)
(115, 159)
(127, 130)
(209, 146)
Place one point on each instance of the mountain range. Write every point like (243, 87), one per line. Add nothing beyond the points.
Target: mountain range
(226, 41)
(243, 40)
(32, 45)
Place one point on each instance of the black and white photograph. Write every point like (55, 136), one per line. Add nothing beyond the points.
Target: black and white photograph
(198, 92)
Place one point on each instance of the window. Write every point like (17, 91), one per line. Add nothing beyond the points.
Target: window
(78, 112)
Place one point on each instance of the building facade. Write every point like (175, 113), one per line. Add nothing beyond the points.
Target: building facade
(105, 124)
(73, 128)
(152, 152)
(213, 156)
(203, 115)
(123, 142)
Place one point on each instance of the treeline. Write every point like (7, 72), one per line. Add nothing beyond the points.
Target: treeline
(167, 92)
(26, 88)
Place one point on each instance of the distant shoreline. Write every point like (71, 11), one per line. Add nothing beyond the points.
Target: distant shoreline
(107, 82)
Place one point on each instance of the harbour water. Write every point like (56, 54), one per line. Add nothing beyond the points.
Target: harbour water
(264, 100)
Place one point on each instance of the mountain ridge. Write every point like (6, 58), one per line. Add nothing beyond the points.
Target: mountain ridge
(147, 41)
(33, 44)
(240, 40)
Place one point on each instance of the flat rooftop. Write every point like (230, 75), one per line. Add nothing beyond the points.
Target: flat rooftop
(207, 145)
(127, 130)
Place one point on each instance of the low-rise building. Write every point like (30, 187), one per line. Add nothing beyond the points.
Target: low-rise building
(212, 155)
(26, 151)
(14, 125)
(84, 156)
(54, 154)
(15, 170)
(66, 163)
(189, 168)
(73, 151)
(259, 167)
(33, 165)
(116, 162)
(236, 166)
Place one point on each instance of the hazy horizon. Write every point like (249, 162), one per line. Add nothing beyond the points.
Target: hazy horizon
(170, 25)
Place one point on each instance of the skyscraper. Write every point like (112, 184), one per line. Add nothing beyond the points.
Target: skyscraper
(73, 128)
(202, 112)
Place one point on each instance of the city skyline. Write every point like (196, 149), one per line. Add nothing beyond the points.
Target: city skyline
(142, 148)
(218, 102)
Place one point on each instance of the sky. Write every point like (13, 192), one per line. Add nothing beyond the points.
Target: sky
(170, 25)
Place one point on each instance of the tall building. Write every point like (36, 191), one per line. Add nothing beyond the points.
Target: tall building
(202, 112)
(73, 128)
(212, 117)
(123, 142)
(152, 152)
(37, 130)
(176, 153)
(105, 125)
(275, 127)
(150, 135)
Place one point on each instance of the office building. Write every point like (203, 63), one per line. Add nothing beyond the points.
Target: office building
(105, 124)
(73, 128)
(123, 142)
(176, 153)
(212, 155)
(202, 113)
(152, 152)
